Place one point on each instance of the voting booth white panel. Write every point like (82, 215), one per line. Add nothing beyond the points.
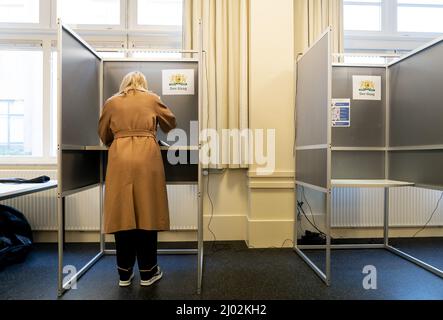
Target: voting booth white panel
(184, 107)
(312, 100)
(368, 117)
(79, 113)
(416, 117)
(364, 165)
(312, 114)
(416, 97)
(422, 167)
(312, 167)
(80, 93)
(367, 127)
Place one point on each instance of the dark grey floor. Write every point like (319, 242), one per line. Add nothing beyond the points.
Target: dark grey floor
(234, 272)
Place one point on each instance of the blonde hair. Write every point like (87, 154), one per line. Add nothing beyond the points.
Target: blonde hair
(133, 81)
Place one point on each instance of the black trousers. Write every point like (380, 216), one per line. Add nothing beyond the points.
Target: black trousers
(140, 245)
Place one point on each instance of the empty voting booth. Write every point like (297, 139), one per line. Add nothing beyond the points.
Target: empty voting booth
(367, 126)
(85, 81)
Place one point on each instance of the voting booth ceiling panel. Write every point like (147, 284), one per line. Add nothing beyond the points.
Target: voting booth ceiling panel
(312, 100)
(185, 107)
(416, 99)
(368, 117)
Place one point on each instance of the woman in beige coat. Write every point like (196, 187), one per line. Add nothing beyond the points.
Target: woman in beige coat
(136, 204)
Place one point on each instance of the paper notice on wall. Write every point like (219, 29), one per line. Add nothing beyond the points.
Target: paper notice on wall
(341, 113)
(367, 87)
(178, 82)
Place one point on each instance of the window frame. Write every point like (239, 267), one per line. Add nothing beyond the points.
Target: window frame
(102, 37)
(118, 27)
(157, 34)
(23, 42)
(45, 14)
(389, 39)
(9, 116)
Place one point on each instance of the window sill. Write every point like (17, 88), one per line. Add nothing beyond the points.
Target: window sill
(17, 162)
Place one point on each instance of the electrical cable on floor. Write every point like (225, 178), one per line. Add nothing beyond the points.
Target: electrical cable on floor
(309, 206)
(300, 207)
(430, 219)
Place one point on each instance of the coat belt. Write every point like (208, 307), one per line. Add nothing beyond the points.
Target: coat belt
(134, 133)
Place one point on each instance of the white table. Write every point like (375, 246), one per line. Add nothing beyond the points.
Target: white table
(9, 190)
(343, 183)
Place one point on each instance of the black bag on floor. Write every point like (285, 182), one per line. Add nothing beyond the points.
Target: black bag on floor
(15, 236)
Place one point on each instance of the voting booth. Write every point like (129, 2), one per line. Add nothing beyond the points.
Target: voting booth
(364, 126)
(85, 81)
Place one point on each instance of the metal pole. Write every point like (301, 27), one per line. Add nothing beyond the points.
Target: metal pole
(60, 199)
(61, 241)
(328, 237)
(386, 217)
(102, 235)
(200, 182)
(296, 218)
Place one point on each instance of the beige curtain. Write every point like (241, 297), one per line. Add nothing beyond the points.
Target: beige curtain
(312, 17)
(225, 42)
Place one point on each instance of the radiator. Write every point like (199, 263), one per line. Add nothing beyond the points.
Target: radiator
(82, 209)
(409, 207)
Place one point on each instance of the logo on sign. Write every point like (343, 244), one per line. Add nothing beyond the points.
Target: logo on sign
(178, 80)
(367, 87)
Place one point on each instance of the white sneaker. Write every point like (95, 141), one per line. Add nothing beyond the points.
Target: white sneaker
(126, 283)
(157, 276)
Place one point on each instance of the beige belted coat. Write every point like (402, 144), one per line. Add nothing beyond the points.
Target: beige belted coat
(135, 194)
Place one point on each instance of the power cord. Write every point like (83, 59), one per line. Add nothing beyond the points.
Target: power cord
(301, 210)
(430, 219)
(309, 206)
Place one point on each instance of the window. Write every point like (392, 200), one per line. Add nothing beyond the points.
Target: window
(28, 59)
(153, 55)
(420, 16)
(391, 26)
(21, 109)
(12, 118)
(363, 15)
(89, 12)
(19, 11)
(160, 12)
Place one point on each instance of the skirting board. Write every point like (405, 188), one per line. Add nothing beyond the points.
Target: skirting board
(270, 234)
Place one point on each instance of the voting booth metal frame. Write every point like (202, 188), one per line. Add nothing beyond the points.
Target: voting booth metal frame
(81, 154)
(394, 142)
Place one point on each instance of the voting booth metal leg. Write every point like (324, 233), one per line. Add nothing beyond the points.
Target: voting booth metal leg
(401, 253)
(326, 275)
(64, 286)
(200, 239)
(60, 214)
